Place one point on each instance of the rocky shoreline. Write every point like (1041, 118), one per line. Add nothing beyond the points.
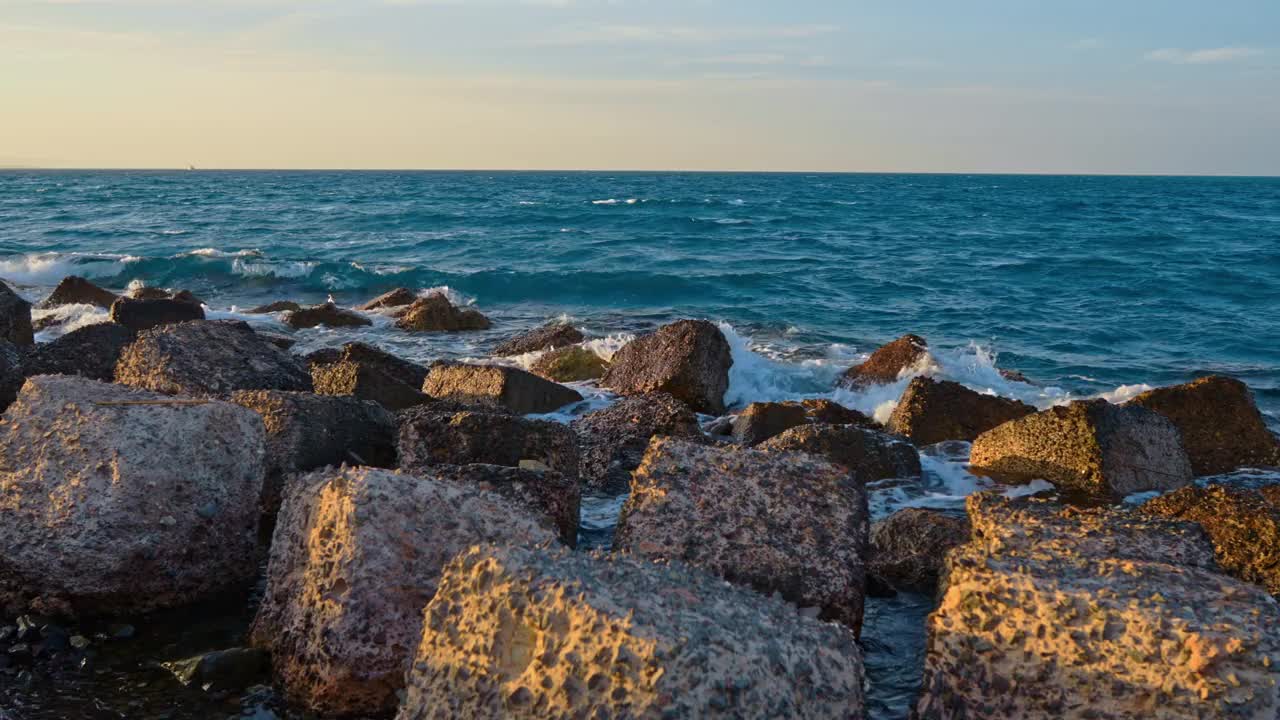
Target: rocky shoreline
(399, 538)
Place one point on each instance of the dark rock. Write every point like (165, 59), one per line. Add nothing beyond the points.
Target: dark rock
(827, 412)
(187, 296)
(932, 411)
(888, 362)
(436, 313)
(868, 454)
(689, 359)
(545, 492)
(429, 437)
(569, 364)
(280, 340)
(516, 390)
(909, 546)
(139, 315)
(276, 307)
(147, 293)
(232, 669)
(12, 373)
(75, 290)
(15, 318)
(613, 440)
(396, 298)
(403, 371)
(548, 337)
(328, 315)
(762, 420)
(367, 382)
(91, 351)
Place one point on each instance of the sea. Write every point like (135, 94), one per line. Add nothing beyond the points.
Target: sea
(1089, 286)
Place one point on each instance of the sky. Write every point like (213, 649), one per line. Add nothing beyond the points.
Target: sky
(1075, 86)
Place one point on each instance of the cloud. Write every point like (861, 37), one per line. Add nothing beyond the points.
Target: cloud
(1179, 56)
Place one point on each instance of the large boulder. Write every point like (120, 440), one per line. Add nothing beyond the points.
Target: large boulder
(357, 555)
(548, 337)
(888, 363)
(519, 633)
(760, 421)
(403, 371)
(435, 313)
(868, 454)
(91, 351)
(1052, 611)
(778, 522)
(12, 372)
(369, 373)
(15, 318)
(75, 290)
(328, 315)
(1221, 427)
(278, 306)
(114, 500)
(544, 492)
(829, 412)
(431, 437)
(932, 411)
(1090, 447)
(208, 358)
(394, 298)
(613, 440)
(144, 314)
(688, 359)
(569, 364)
(1242, 523)
(909, 546)
(511, 388)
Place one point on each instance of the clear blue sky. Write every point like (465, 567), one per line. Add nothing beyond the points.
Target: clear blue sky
(1177, 86)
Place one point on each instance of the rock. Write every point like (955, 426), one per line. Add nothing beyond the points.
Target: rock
(1053, 611)
(208, 358)
(395, 298)
(139, 315)
(548, 337)
(543, 491)
(868, 454)
(534, 633)
(396, 368)
(1090, 447)
(688, 359)
(357, 555)
(827, 412)
(75, 290)
(909, 546)
(115, 500)
(762, 420)
(436, 313)
(570, 364)
(497, 385)
(888, 363)
(91, 351)
(233, 669)
(367, 382)
(12, 373)
(280, 340)
(143, 292)
(276, 307)
(1013, 375)
(187, 296)
(328, 315)
(1242, 523)
(1221, 427)
(613, 440)
(430, 437)
(15, 318)
(777, 522)
(932, 411)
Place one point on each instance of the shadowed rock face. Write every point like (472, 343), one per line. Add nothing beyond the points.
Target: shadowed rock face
(688, 359)
(1052, 610)
(569, 364)
(275, 307)
(357, 555)
(519, 633)
(75, 290)
(12, 373)
(511, 388)
(1221, 427)
(115, 500)
(369, 373)
(760, 421)
(887, 362)
(395, 298)
(909, 546)
(613, 440)
(778, 522)
(543, 492)
(429, 437)
(436, 313)
(328, 315)
(144, 314)
(932, 411)
(15, 318)
(91, 351)
(868, 454)
(547, 337)
(1090, 447)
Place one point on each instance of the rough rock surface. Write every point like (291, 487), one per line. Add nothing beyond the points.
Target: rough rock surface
(887, 363)
(356, 556)
(760, 421)
(613, 440)
(144, 314)
(908, 547)
(208, 358)
(518, 633)
(366, 381)
(778, 522)
(548, 337)
(932, 411)
(827, 412)
(544, 492)
(1242, 523)
(15, 318)
(91, 351)
(328, 315)
(75, 290)
(1220, 424)
(516, 390)
(436, 313)
(1058, 612)
(12, 373)
(143, 292)
(868, 454)
(430, 437)
(569, 364)
(1090, 447)
(688, 359)
(115, 500)
(394, 298)
(275, 307)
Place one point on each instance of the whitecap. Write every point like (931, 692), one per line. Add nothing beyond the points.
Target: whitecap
(272, 268)
(68, 317)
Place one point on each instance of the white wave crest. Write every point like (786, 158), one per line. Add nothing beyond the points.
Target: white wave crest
(272, 268)
(49, 268)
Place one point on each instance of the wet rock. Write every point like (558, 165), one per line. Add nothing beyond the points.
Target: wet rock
(688, 359)
(187, 296)
(15, 318)
(12, 373)
(430, 437)
(1051, 611)
(516, 390)
(868, 454)
(75, 290)
(435, 313)
(888, 363)
(91, 351)
(115, 500)
(276, 307)
(535, 633)
(328, 315)
(909, 546)
(777, 522)
(543, 492)
(143, 292)
(548, 337)
(280, 340)
(570, 364)
(208, 358)
(1221, 427)
(1090, 447)
(232, 669)
(762, 420)
(1013, 375)
(139, 315)
(613, 440)
(932, 411)
(357, 555)
(395, 298)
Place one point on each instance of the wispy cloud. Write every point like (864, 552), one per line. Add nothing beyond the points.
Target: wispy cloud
(1206, 56)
